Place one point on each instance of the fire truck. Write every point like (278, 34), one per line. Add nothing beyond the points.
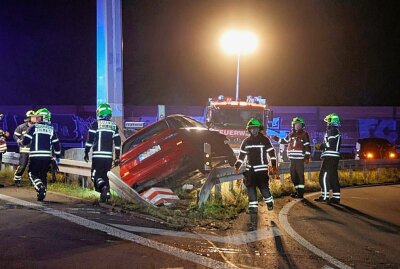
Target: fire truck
(230, 117)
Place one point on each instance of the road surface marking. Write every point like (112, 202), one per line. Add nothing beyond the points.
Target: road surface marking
(327, 267)
(237, 239)
(288, 228)
(177, 252)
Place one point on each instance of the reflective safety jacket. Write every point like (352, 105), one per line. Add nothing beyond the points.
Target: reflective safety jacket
(3, 144)
(256, 148)
(298, 144)
(104, 139)
(331, 145)
(18, 135)
(43, 141)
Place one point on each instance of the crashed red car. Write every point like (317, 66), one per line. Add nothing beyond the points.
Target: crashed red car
(168, 149)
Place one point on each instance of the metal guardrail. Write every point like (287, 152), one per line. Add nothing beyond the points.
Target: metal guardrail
(124, 190)
(216, 176)
(220, 175)
(82, 168)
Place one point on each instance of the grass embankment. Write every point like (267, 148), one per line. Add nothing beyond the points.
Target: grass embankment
(220, 210)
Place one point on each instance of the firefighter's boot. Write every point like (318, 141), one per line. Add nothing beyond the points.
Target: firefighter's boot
(41, 193)
(104, 195)
(253, 210)
(300, 193)
(334, 201)
(321, 200)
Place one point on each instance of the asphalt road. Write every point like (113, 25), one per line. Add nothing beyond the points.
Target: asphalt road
(361, 233)
(34, 239)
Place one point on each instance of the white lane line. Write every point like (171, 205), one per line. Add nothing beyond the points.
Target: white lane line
(288, 228)
(177, 252)
(237, 239)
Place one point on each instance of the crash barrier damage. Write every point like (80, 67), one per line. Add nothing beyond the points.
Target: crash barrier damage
(215, 176)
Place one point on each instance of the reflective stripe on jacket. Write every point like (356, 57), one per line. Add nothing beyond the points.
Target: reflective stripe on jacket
(255, 149)
(331, 144)
(104, 138)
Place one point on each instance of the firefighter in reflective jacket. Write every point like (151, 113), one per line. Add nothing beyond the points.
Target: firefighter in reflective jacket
(43, 142)
(104, 139)
(328, 175)
(3, 144)
(23, 150)
(255, 148)
(298, 152)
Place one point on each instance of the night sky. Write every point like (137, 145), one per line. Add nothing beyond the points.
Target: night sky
(310, 52)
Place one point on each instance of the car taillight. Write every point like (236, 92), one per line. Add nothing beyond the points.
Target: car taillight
(392, 155)
(370, 155)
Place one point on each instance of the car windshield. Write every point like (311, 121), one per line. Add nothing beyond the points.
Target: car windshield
(375, 142)
(235, 118)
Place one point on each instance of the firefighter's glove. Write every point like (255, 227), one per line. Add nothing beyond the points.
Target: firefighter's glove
(306, 161)
(116, 162)
(86, 158)
(275, 138)
(272, 170)
(318, 146)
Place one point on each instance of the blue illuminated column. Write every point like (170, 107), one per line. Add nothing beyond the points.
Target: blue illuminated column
(109, 56)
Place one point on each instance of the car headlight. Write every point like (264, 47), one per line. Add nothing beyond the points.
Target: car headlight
(370, 155)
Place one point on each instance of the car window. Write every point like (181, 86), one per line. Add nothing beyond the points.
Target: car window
(183, 122)
(194, 123)
(141, 137)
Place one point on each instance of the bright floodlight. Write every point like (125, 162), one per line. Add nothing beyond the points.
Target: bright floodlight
(239, 42)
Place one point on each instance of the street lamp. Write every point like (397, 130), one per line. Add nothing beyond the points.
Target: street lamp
(238, 43)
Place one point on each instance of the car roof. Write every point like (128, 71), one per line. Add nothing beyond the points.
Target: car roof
(374, 140)
(165, 119)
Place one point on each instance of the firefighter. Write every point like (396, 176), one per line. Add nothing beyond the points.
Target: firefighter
(328, 175)
(103, 139)
(23, 150)
(43, 140)
(298, 152)
(256, 147)
(3, 145)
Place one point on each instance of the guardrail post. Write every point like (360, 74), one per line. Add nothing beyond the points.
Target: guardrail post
(208, 167)
(217, 194)
(378, 172)
(351, 175)
(206, 189)
(365, 176)
(84, 182)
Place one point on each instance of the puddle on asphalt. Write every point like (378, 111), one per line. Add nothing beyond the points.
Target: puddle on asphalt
(11, 206)
(91, 211)
(223, 250)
